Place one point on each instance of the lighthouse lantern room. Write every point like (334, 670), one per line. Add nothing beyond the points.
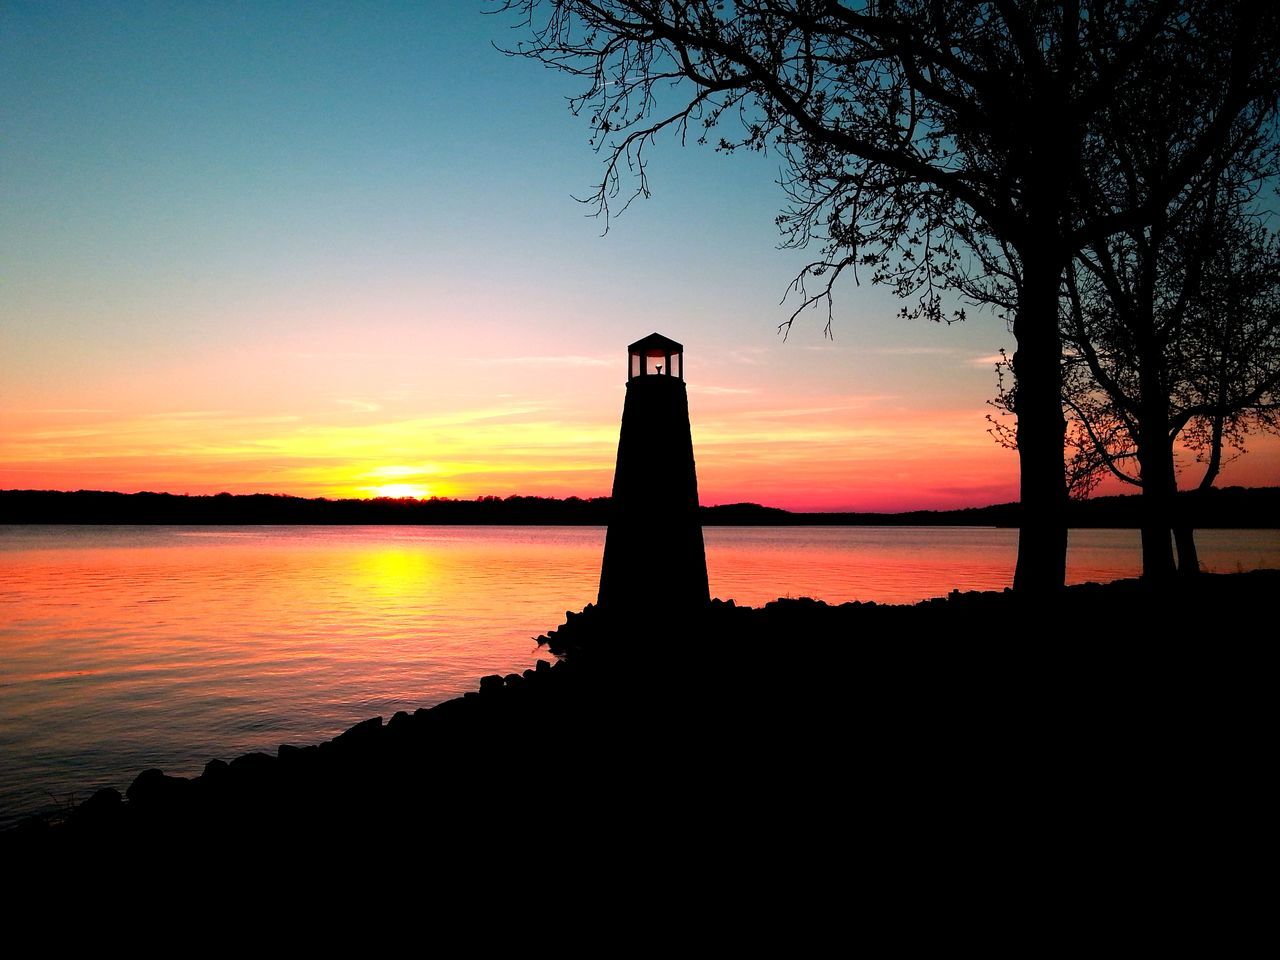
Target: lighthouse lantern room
(655, 355)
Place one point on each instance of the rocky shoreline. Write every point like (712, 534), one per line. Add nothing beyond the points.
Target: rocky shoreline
(786, 714)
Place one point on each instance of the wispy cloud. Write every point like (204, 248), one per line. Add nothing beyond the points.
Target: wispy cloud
(912, 351)
(563, 360)
(990, 360)
(359, 406)
(845, 404)
(340, 355)
(219, 417)
(714, 391)
(57, 410)
(189, 415)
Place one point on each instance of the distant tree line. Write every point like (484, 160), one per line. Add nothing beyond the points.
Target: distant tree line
(1231, 507)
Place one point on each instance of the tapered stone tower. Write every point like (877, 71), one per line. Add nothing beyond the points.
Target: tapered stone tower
(654, 559)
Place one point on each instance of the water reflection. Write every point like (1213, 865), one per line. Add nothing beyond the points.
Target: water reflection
(396, 572)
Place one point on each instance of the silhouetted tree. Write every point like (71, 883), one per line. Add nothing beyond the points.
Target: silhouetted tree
(1173, 333)
(935, 144)
(1136, 336)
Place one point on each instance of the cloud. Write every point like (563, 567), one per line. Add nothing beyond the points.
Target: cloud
(912, 351)
(341, 355)
(988, 361)
(189, 415)
(747, 355)
(218, 417)
(564, 360)
(721, 391)
(58, 410)
(859, 402)
(359, 406)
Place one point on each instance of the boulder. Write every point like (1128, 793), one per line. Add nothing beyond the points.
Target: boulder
(215, 770)
(253, 766)
(102, 806)
(363, 734)
(154, 787)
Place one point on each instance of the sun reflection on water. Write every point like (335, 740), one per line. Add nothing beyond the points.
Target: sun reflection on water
(396, 573)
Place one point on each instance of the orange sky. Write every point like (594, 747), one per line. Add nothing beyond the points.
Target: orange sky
(453, 414)
(328, 417)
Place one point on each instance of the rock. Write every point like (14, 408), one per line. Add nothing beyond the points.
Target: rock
(542, 666)
(144, 784)
(154, 787)
(253, 765)
(491, 683)
(103, 805)
(363, 734)
(215, 770)
(289, 754)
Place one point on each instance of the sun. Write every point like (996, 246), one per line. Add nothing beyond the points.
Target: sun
(400, 490)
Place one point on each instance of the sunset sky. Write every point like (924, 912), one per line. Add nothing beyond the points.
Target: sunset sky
(331, 250)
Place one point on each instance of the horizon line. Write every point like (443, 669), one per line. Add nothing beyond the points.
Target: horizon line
(572, 497)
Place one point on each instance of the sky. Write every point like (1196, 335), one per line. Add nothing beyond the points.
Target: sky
(332, 249)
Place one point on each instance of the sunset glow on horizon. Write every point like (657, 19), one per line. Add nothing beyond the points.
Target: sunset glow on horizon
(324, 251)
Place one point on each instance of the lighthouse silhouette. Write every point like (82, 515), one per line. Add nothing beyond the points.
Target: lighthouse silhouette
(654, 559)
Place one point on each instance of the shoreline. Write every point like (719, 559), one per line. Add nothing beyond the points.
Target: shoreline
(736, 699)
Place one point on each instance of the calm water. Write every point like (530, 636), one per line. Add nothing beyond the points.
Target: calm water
(123, 648)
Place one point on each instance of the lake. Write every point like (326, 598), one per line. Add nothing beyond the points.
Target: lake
(123, 648)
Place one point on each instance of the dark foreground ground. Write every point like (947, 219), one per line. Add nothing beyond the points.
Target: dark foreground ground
(951, 739)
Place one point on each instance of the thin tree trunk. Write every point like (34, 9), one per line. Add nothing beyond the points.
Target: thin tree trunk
(1042, 537)
(1188, 559)
(1215, 456)
(1184, 538)
(1183, 531)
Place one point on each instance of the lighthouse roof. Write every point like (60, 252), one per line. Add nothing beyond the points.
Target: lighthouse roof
(657, 343)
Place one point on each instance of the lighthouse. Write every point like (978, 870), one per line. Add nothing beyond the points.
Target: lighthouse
(654, 559)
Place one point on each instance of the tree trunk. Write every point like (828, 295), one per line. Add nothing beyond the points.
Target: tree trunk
(1183, 531)
(1155, 448)
(1215, 455)
(1042, 537)
(1155, 458)
(1184, 536)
